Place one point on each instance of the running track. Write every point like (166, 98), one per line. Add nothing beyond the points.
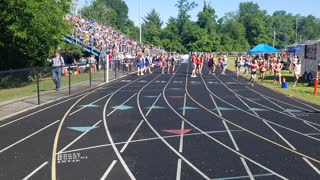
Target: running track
(166, 127)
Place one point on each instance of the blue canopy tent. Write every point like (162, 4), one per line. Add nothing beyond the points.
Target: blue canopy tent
(263, 48)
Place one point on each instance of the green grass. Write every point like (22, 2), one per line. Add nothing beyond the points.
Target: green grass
(46, 85)
(302, 91)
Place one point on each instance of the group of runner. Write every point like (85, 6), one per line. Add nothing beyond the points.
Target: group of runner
(273, 64)
(143, 64)
(167, 63)
(198, 61)
(247, 64)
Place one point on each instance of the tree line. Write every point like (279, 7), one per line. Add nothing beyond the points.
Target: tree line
(240, 30)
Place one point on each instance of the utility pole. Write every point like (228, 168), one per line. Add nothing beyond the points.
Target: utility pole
(296, 29)
(140, 21)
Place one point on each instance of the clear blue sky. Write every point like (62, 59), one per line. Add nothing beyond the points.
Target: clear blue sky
(166, 8)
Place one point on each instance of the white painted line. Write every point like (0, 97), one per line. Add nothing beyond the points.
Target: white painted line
(254, 112)
(115, 149)
(234, 142)
(311, 126)
(311, 165)
(108, 170)
(153, 105)
(312, 134)
(161, 138)
(3, 125)
(28, 136)
(146, 139)
(75, 140)
(178, 177)
(258, 117)
(247, 168)
(215, 104)
(35, 171)
(130, 138)
(184, 104)
(122, 104)
(230, 135)
(181, 138)
(90, 104)
(287, 142)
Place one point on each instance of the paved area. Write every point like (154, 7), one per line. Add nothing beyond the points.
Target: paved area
(16, 106)
(166, 127)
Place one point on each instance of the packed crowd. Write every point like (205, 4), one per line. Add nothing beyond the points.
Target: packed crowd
(249, 64)
(104, 37)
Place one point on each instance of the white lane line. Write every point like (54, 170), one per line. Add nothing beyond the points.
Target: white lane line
(215, 104)
(3, 125)
(247, 168)
(234, 142)
(108, 170)
(25, 138)
(178, 177)
(161, 138)
(146, 139)
(222, 144)
(286, 141)
(181, 138)
(311, 126)
(311, 165)
(153, 105)
(276, 132)
(264, 97)
(130, 138)
(115, 149)
(230, 135)
(184, 104)
(268, 97)
(75, 140)
(35, 171)
(313, 123)
(258, 117)
(122, 104)
(90, 104)
(312, 134)
(254, 112)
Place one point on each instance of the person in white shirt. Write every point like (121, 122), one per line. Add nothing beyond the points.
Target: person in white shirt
(57, 65)
(297, 72)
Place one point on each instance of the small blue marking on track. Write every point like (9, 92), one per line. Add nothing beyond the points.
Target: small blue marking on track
(122, 107)
(82, 129)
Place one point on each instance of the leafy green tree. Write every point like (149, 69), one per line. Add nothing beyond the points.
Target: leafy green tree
(254, 19)
(207, 18)
(151, 28)
(184, 6)
(30, 31)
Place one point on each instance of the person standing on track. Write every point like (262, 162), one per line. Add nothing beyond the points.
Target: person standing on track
(263, 68)
(224, 65)
(277, 67)
(297, 72)
(194, 65)
(211, 65)
(147, 64)
(201, 60)
(239, 63)
(172, 63)
(57, 65)
(254, 67)
(139, 65)
(164, 63)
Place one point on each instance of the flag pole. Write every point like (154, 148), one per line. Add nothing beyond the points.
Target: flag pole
(140, 21)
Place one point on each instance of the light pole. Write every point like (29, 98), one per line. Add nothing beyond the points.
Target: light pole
(140, 21)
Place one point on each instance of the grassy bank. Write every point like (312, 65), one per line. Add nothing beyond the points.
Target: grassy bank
(302, 91)
(46, 85)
